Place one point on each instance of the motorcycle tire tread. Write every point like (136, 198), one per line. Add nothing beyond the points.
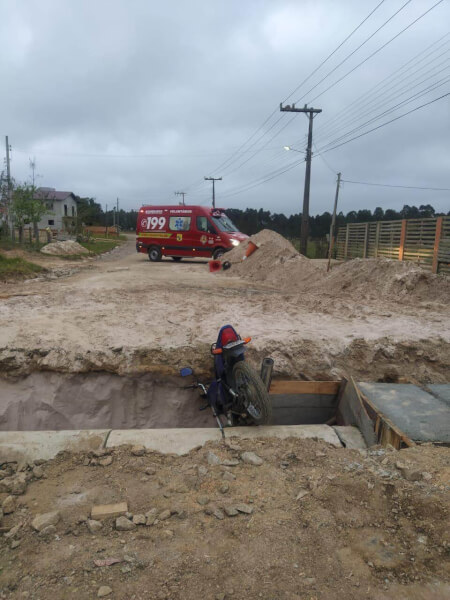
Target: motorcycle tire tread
(265, 405)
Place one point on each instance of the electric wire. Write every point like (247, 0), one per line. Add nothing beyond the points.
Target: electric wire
(389, 185)
(322, 151)
(374, 103)
(385, 81)
(412, 98)
(377, 51)
(355, 50)
(225, 164)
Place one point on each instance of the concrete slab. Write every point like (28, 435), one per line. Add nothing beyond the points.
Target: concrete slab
(442, 391)
(26, 446)
(421, 416)
(350, 437)
(181, 441)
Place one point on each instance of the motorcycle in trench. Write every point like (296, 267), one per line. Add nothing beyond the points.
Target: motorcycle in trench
(237, 392)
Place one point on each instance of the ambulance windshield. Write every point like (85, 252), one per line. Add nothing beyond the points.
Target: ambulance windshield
(223, 222)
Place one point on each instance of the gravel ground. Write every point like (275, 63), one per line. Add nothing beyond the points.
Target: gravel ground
(305, 521)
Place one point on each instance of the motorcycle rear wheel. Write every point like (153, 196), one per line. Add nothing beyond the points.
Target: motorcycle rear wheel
(252, 391)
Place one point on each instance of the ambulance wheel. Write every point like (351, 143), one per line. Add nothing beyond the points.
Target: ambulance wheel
(177, 258)
(154, 253)
(218, 252)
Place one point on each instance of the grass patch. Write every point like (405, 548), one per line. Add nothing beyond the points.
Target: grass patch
(111, 236)
(17, 268)
(100, 246)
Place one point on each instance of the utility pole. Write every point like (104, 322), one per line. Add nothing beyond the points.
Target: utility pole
(213, 179)
(9, 190)
(305, 212)
(117, 212)
(181, 194)
(333, 221)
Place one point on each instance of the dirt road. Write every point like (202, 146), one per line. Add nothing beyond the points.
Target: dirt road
(124, 314)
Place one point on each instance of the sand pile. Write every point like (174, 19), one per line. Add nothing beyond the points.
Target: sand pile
(64, 248)
(275, 262)
(383, 278)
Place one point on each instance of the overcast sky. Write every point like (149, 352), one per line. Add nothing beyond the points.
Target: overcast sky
(137, 99)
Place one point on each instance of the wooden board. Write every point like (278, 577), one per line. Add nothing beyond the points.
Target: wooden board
(304, 387)
(351, 411)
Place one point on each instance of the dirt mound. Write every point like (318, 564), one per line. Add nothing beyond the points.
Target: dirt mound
(64, 248)
(385, 278)
(311, 521)
(276, 261)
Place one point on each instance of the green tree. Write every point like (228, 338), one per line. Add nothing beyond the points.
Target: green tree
(28, 207)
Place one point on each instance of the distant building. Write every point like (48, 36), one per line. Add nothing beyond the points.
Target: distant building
(62, 209)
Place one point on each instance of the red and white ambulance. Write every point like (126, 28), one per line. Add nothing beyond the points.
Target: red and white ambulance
(179, 231)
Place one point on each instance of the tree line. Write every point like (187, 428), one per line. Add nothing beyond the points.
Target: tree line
(252, 220)
(28, 208)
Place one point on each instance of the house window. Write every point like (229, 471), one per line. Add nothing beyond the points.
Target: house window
(51, 221)
(65, 210)
(73, 211)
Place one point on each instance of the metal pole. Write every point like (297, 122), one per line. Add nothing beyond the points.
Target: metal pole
(117, 215)
(333, 221)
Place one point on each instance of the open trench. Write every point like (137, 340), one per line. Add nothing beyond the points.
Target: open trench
(44, 401)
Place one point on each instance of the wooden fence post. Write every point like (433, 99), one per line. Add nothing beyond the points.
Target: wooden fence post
(401, 249)
(377, 239)
(346, 241)
(437, 240)
(366, 240)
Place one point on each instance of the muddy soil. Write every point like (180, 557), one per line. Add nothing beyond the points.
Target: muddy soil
(126, 315)
(311, 522)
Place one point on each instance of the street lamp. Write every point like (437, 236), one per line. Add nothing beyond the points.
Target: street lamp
(293, 149)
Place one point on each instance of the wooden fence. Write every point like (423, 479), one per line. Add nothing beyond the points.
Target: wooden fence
(424, 241)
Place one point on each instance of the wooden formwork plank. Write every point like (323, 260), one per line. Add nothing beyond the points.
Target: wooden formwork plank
(351, 411)
(304, 387)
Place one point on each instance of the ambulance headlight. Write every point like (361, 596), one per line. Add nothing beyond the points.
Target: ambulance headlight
(235, 242)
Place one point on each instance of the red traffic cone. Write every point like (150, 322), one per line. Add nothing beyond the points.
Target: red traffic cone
(214, 266)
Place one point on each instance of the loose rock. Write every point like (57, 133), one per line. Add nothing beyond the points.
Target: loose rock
(40, 522)
(139, 520)
(203, 500)
(212, 459)
(105, 462)
(244, 508)
(230, 511)
(228, 476)
(138, 450)
(103, 591)
(252, 459)
(8, 505)
(93, 526)
(164, 515)
(38, 472)
(124, 524)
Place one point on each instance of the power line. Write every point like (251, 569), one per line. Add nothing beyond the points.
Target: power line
(378, 50)
(397, 92)
(378, 87)
(229, 161)
(412, 98)
(384, 124)
(405, 187)
(354, 68)
(354, 51)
